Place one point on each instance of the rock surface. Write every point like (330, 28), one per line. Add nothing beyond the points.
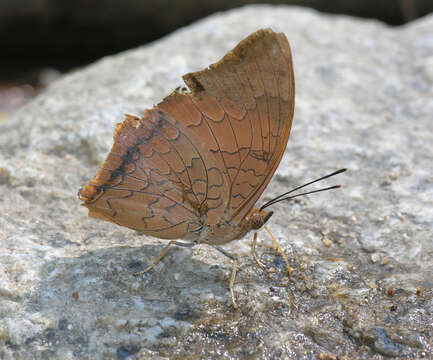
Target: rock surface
(363, 255)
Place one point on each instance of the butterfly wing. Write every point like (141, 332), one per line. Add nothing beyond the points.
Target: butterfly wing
(200, 157)
(242, 109)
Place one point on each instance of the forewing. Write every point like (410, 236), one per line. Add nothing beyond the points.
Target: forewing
(242, 109)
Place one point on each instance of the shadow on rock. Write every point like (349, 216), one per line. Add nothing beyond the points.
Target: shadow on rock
(96, 293)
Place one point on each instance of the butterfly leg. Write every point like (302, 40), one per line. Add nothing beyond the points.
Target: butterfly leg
(254, 252)
(233, 275)
(222, 251)
(162, 254)
(232, 282)
(281, 251)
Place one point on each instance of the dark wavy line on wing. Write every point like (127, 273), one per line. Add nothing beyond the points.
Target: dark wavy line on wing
(169, 207)
(243, 197)
(111, 198)
(164, 228)
(246, 183)
(167, 220)
(252, 170)
(221, 201)
(222, 177)
(149, 206)
(231, 152)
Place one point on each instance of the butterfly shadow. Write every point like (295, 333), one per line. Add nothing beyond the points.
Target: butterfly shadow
(101, 282)
(94, 296)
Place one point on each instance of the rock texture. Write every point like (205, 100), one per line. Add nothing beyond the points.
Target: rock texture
(363, 255)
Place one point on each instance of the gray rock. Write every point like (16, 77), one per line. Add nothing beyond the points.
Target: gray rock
(363, 255)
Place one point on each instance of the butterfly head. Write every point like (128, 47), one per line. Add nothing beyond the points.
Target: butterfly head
(257, 218)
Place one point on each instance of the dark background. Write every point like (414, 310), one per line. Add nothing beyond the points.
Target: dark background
(40, 39)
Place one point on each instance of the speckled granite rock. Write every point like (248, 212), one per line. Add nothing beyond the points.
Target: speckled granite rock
(362, 255)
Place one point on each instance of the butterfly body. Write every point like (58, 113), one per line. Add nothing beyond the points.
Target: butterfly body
(225, 231)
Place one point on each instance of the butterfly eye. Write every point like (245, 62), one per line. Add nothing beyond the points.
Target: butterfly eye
(257, 221)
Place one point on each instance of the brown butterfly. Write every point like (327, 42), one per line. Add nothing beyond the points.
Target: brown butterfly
(194, 165)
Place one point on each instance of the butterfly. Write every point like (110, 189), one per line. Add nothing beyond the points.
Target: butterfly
(194, 166)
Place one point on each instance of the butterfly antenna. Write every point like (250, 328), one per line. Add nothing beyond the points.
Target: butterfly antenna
(285, 197)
